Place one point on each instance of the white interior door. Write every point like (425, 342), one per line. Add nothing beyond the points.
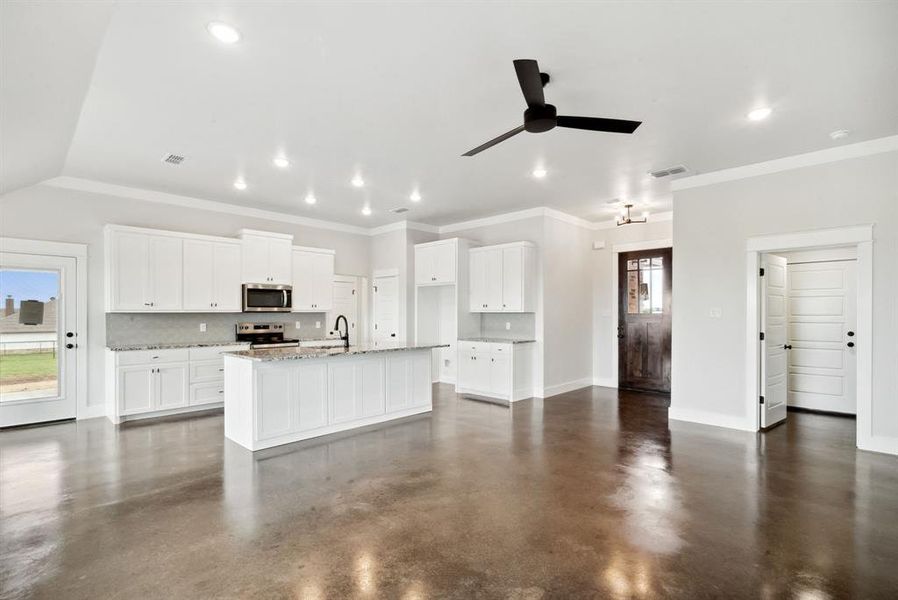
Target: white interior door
(773, 347)
(346, 303)
(386, 309)
(822, 324)
(37, 370)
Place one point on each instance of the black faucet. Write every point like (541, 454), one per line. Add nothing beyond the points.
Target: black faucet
(343, 337)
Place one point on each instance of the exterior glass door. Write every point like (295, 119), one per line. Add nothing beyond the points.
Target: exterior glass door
(37, 362)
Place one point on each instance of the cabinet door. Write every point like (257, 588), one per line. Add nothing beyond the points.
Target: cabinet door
(135, 389)
(477, 292)
(465, 374)
(323, 282)
(480, 375)
(171, 386)
(444, 263)
(343, 392)
(130, 271)
(397, 383)
(226, 267)
(280, 259)
(311, 393)
(492, 276)
(512, 279)
(371, 386)
(500, 376)
(419, 378)
(274, 402)
(199, 275)
(166, 272)
(303, 268)
(254, 258)
(424, 265)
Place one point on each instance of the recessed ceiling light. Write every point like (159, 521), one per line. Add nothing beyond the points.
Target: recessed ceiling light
(415, 196)
(310, 198)
(539, 172)
(223, 32)
(759, 114)
(838, 134)
(357, 181)
(240, 184)
(281, 161)
(366, 210)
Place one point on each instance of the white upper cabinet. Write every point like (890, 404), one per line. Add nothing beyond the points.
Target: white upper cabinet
(503, 278)
(435, 262)
(211, 276)
(267, 257)
(313, 279)
(143, 271)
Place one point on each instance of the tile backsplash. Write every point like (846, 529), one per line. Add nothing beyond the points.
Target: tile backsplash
(523, 325)
(142, 328)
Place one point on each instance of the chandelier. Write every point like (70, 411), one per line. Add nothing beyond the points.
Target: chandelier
(626, 219)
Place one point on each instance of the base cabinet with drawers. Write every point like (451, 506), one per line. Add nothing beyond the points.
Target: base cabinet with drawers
(495, 370)
(148, 383)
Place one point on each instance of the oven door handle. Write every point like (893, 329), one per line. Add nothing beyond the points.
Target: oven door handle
(285, 299)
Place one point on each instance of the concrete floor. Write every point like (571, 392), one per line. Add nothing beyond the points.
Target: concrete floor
(584, 495)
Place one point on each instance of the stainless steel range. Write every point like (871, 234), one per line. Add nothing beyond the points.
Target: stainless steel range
(264, 335)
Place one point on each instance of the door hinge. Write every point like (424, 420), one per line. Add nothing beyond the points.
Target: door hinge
(762, 399)
(762, 271)
(762, 336)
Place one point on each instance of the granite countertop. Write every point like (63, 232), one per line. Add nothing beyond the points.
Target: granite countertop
(493, 340)
(294, 353)
(172, 345)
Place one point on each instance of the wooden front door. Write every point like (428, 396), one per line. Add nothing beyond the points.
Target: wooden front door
(643, 331)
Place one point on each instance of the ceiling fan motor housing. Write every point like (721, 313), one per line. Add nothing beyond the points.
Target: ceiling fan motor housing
(540, 118)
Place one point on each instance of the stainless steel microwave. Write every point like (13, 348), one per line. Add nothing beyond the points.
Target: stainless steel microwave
(267, 297)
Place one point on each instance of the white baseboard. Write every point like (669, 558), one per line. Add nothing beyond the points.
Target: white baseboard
(605, 382)
(560, 388)
(709, 418)
(885, 445)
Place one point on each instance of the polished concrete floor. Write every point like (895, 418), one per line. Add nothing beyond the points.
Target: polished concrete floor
(584, 495)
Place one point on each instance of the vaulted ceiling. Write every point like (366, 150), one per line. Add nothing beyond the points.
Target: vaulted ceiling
(397, 92)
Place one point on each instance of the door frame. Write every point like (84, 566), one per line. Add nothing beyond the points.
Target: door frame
(400, 321)
(79, 253)
(616, 249)
(858, 236)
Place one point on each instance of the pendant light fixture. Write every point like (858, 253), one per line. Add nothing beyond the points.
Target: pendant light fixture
(626, 219)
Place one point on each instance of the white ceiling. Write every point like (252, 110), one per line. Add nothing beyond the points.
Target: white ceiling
(399, 91)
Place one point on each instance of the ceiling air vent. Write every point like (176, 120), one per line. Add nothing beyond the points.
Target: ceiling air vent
(173, 159)
(677, 170)
(399, 210)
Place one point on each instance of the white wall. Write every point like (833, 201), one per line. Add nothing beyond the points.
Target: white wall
(49, 213)
(604, 290)
(711, 225)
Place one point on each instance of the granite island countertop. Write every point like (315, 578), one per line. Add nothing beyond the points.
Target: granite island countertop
(295, 353)
(495, 340)
(172, 345)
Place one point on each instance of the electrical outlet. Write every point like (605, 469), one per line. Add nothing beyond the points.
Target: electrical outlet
(317, 324)
(298, 324)
(507, 326)
(202, 328)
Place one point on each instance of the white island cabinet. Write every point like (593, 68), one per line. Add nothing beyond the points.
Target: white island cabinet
(284, 395)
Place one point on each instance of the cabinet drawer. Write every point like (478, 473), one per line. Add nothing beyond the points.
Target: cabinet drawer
(214, 352)
(501, 349)
(148, 357)
(474, 346)
(206, 371)
(206, 393)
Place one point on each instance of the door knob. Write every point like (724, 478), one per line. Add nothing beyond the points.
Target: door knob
(850, 334)
(70, 346)
(850, 344)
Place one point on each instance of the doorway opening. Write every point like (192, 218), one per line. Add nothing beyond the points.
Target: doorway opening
(644, 319)
(810, 319)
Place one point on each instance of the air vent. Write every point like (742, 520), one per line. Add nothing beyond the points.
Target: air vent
(677, 170)
(173, 159)
(399, 210)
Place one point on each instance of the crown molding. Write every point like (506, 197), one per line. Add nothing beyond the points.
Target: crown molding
(819, 157)
(403, 226)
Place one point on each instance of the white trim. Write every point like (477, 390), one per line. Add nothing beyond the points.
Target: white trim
(528, 213)
(862, 237)
(877, 146)
(241, 233)
(314, 250)
(561, 388)
(603, 382)
(705, 417)
(391, 272)
(402, 226)
(177, 234)
(610, 335)
(79, 253)
(558, 215)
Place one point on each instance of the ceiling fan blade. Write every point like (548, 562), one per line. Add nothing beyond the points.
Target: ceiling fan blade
(531, 81)
(494, 141)
(599, 124)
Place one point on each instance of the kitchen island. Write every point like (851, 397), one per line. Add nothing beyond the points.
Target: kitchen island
(277, 396)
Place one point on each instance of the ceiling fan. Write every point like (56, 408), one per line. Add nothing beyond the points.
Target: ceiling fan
(539, 116)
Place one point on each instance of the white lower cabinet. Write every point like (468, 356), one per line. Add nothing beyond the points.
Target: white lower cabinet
(311, 388)
(495, 370)
(144, 388)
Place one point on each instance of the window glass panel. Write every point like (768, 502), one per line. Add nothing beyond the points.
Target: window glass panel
(28, 334)
(632, 285)
(644, 263)
(632, 265)
(657, 291)
(645, 292)
(658, 261)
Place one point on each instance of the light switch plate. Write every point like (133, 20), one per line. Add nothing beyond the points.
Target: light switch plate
(507, 325)
(715, 312)
(202, 328)
(317, 324)
(298, 324)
